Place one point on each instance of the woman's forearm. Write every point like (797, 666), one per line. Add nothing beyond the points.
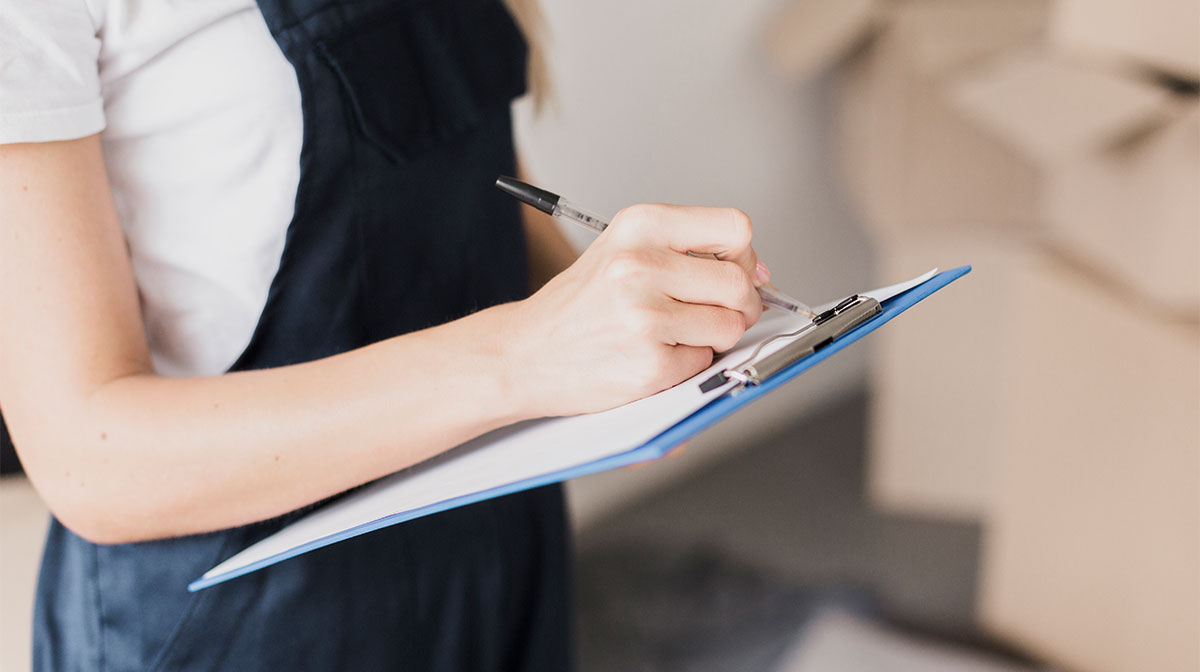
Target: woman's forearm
(173, 456)
(120, 454)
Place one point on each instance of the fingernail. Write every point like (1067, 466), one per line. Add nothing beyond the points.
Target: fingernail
(763, 273)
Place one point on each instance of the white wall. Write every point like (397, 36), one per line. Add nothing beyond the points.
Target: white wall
(675, 101)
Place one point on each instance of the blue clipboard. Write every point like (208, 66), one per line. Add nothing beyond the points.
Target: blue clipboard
(654, 449)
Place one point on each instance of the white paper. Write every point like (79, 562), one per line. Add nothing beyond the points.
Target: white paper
(526, 450)
(884, 293)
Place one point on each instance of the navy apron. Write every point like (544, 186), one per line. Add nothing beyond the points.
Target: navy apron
(397, 227)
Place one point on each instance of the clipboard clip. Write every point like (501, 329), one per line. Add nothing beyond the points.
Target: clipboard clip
(825, 328)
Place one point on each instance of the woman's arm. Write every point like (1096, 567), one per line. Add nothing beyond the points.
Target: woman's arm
(120, 454)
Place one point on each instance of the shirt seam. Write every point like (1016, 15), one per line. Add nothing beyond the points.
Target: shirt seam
(53, 123)
(98, 101)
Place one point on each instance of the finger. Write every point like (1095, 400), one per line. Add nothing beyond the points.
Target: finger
(687, 361)
(725, 232)
(728, 231)
(747, 260)
(712, 282)
(702, 326)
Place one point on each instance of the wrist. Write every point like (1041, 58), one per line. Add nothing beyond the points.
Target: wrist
(508, 360)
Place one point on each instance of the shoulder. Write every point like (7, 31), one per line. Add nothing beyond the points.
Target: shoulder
(49, 78)
(61, 59)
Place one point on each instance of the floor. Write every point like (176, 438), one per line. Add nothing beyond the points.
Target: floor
(794, 509)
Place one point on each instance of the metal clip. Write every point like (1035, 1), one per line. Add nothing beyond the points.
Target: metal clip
(823, 330)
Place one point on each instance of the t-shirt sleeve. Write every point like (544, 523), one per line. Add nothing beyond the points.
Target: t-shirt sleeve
(49, 71)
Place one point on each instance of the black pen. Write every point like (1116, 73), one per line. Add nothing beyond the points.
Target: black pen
(557, 206)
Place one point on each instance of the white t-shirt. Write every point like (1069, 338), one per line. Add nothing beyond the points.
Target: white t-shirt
(200, 121)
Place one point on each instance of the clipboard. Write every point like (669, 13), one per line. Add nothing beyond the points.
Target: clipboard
(799, 360)
(718, 393)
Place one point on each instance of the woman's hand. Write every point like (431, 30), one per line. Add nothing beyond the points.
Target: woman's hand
(635, 314)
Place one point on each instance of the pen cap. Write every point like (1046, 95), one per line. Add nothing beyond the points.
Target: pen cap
(527, 193)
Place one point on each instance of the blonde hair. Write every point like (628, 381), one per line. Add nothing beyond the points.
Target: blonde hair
(528, 14)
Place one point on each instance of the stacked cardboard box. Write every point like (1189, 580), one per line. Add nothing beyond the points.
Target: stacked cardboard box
(1119, 157)
(935, 432)
(1054, 394)
(915, 163)
(1092, 546)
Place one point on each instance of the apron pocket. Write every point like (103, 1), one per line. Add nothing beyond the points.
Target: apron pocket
(452, 62)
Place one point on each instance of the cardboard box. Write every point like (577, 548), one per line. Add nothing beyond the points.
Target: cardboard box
(945, 37)
(1092, 548)
(935, 402)
(955, 116)
(914, 162)
(1121, 159)
(1160, 34)
(810, 35)
(1052, 110)
(1133, 214)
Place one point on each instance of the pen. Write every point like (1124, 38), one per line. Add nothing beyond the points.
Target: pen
(557, 206)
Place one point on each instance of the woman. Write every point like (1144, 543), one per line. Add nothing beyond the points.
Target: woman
(251, 257)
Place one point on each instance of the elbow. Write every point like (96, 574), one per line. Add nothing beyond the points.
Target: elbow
(81, 475)
(89, 517)
(78, 497)
(97, 536)
(93, 528)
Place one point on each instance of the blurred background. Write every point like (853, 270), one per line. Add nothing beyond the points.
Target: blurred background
(1008, 477)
